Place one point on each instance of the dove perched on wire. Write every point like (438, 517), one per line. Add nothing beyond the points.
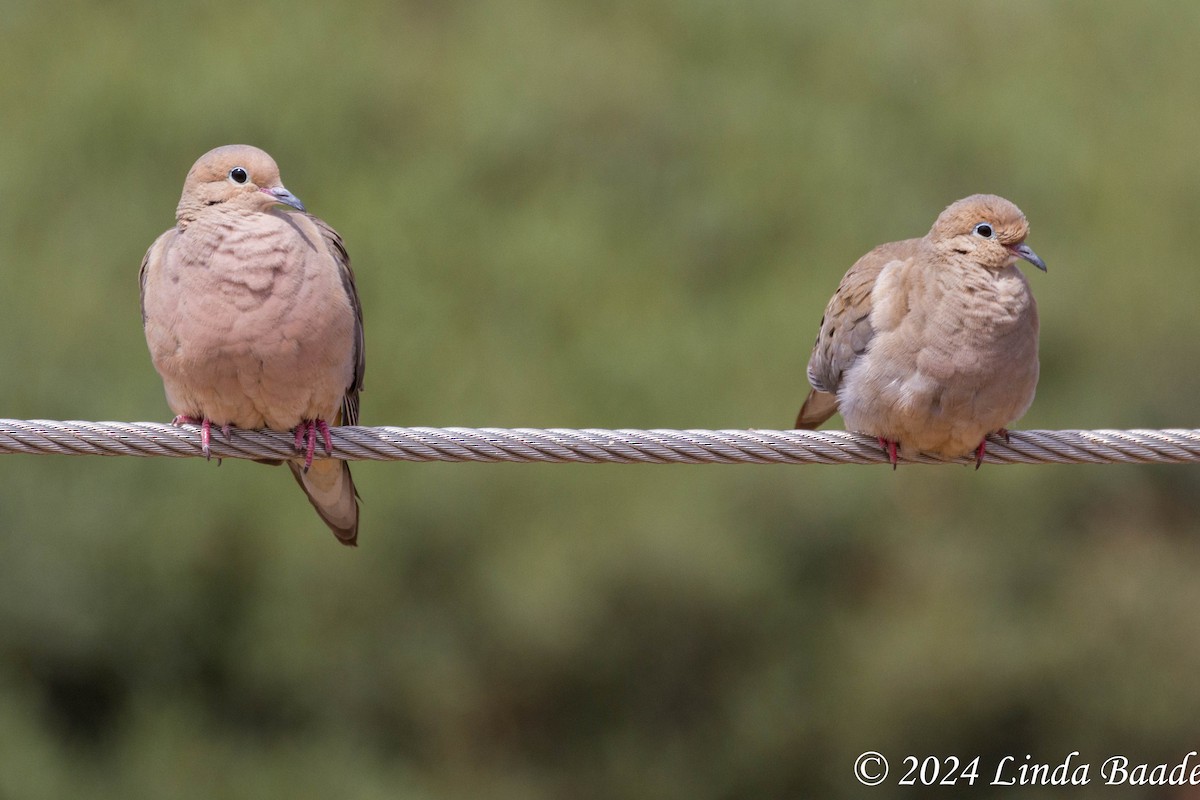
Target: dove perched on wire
(931, 344)
(253, 321)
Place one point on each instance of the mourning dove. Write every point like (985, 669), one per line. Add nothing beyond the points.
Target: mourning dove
(931, 344)
(253, 320)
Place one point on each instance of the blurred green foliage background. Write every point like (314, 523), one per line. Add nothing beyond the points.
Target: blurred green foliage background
(623, 214)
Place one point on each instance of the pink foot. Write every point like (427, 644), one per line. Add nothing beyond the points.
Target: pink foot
(326, 437)
(889, 447)
(979, 451)
(306, 439)
(205, 431)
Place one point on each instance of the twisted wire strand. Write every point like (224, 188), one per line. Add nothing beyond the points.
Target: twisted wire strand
(587, 446)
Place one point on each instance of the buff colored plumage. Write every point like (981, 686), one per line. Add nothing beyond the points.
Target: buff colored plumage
(252, 318)
(931, 344)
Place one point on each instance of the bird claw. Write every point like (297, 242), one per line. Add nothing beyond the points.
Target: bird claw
(889, 447)
(205, 432)
(979, 451)
(306, 439)
(323, 427)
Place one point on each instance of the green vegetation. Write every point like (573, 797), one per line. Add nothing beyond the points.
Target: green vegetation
(623, 214)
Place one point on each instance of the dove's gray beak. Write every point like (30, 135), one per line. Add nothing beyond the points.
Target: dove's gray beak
(282, 195)
(1024, 251)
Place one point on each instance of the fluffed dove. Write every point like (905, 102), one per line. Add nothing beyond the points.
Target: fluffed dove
(253, 320)
(931, 344)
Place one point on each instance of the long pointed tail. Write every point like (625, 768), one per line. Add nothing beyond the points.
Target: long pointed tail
(818, 407)
(330, 489)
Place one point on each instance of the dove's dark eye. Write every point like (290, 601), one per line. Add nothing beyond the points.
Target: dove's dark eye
(239, 175)
(982, 229)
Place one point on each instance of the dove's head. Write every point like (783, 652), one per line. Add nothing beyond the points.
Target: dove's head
(236, 176)
(987, 229)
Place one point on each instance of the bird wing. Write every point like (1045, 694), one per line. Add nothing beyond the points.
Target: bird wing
(846, 330)
(150, 261)
(337, 249)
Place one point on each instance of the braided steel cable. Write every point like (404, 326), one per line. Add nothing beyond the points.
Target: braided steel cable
(588, 445)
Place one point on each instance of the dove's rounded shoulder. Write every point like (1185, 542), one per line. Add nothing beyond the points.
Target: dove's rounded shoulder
(871, 264)
(161, 245)
(853, 295)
